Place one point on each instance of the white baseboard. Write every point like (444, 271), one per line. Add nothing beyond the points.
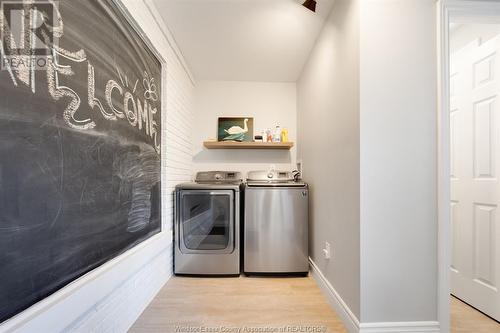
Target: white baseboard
(351, 322)
(402, 327)
(349, 319)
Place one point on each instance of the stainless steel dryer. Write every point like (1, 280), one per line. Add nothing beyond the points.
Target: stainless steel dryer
(207, 225)
(275, 224)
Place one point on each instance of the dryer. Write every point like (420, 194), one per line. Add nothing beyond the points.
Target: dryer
(207, 224)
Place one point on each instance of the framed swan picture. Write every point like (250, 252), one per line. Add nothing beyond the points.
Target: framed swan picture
(235, 129)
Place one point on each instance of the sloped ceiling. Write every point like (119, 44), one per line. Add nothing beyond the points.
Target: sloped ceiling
(244, 40)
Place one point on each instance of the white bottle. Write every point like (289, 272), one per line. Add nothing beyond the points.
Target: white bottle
(277, 134)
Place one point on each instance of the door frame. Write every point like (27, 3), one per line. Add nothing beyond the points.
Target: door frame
(456, 11)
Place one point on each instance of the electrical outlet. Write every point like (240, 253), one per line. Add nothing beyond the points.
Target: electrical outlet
(327, 251)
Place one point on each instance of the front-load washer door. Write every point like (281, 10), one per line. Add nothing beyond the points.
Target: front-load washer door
(206, 221)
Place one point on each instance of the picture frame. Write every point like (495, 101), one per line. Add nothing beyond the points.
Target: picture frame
(238, 129)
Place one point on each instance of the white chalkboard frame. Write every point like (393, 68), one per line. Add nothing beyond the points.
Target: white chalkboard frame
(137, 28)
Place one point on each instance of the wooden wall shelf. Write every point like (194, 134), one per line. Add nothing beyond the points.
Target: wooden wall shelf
(248, 145)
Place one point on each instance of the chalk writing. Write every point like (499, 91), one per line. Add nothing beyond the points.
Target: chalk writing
(139, 113)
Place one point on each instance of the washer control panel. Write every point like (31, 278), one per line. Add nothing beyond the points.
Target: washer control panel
(270, 176)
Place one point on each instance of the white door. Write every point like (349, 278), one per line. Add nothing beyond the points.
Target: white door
(475, 172)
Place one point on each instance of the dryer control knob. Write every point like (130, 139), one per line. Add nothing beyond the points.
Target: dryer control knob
(270, 175)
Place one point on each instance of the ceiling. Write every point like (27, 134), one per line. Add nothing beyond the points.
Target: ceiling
(244, 40)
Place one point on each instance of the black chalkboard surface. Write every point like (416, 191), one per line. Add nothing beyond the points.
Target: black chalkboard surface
(79, 145)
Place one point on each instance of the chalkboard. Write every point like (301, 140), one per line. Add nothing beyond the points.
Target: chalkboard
(80, 133)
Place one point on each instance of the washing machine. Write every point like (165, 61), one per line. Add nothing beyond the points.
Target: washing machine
(207, 224)
(275, 224)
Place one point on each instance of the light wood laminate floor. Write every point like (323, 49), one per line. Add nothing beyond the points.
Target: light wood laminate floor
(258, 302)
(465, 319)
(255, 302)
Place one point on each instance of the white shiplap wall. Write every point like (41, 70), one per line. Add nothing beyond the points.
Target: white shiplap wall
(110, 298)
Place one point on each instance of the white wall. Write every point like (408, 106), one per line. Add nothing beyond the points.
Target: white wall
(110, 298)
(370, 90)
(398, 161)
(328, 107)
(464, 34)
(269, 103)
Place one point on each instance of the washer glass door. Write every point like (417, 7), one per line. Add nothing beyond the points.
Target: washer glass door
(206, 221)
